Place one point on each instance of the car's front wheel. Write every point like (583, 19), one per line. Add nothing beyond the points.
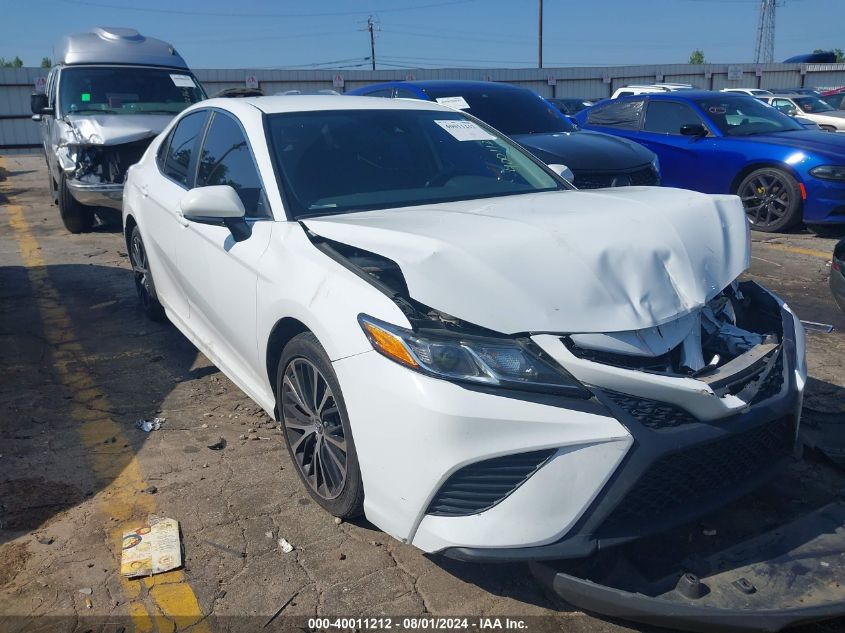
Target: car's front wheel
(772, 199)
(76, 217)
(144, 286)
(316, 427)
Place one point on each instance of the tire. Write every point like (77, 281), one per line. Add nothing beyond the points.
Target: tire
(316, 427)
(76, 217)
(144, 286)
(772, 199)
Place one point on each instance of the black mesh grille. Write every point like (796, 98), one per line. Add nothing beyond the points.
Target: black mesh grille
(480, 486)
(652, 413)
(677, 482)
(599, 179)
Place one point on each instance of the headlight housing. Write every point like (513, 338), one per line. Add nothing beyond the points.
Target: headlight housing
(828, 172)
(484, 361)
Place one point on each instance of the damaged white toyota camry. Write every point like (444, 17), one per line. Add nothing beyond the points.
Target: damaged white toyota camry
(481, 359)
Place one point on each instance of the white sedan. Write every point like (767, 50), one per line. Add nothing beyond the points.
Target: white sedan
(481, 359)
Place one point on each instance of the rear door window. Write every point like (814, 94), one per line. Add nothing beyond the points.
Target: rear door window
(623, 115)
(667, 117)
(179, 154)
(226, 159)
(387, 93)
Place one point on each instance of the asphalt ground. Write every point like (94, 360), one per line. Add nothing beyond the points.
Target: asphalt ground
(79, 365)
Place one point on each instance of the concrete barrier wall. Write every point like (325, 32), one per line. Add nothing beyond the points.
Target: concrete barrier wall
(19, 134)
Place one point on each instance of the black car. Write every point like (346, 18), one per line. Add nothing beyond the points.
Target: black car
(570, 107)
(596, 160)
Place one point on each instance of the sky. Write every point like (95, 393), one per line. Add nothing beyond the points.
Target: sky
(430, 33)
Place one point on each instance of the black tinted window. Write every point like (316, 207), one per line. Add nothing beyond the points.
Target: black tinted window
(512, 111)
(183, 140)
(226, 160)
(402, 93)
(619, 114)
(386, 93)
(667, 117)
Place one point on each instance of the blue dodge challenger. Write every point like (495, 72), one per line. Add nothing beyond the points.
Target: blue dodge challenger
(730, 143)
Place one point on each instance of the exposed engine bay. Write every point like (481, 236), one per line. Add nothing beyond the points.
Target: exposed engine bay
(107, 164)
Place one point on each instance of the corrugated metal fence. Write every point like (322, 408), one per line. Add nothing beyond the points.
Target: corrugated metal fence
(19, 134)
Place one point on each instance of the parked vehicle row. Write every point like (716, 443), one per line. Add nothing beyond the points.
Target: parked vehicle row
(728, 143)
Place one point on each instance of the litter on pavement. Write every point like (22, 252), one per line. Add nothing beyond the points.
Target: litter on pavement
(152, 548)
(153, 424)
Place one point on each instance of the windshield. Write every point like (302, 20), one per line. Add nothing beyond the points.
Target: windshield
(509, 111)
(743, 116)
(811, 105)
(352, 160)
(127, 90)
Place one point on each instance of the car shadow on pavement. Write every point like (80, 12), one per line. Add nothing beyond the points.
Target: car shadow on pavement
(93, 358)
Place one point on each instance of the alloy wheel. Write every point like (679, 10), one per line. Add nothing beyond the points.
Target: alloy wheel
(140, 267)
(313, 426)
(766, 200)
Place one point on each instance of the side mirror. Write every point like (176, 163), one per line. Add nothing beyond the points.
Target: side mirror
(218, 205)
(563, 171)
(38, 103)
(792, 112)
(693, 129)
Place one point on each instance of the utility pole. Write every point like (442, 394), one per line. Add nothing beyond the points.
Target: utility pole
(372, 41)
(540, 39)
(764, 50)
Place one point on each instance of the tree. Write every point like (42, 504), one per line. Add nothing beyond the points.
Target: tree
(17, 62)
(697, 57)
(840, 56)
(46, 62)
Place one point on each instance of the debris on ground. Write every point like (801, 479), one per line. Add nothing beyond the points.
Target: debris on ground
(153, 424)
(152, 548)
(341, 556)
(86, 591)
(219, 445)
(338, 520)
(46, 540)
(88, 603)
(812, 326)
(151, 490)
(286, 547)
(225, 548)
(269, 534)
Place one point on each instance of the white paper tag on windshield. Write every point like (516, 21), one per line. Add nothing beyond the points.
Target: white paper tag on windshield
(458, 103)
(183, 81)
(465, 130)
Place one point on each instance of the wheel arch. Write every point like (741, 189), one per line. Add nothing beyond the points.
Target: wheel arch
(128, 225)
(283, 331)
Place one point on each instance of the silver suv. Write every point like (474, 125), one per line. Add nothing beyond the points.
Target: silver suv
(112, 91)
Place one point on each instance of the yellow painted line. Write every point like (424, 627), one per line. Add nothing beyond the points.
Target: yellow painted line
(799, 250)
(172, 599)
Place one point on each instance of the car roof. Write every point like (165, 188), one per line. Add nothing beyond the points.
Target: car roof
(680, 94)
(311, 103)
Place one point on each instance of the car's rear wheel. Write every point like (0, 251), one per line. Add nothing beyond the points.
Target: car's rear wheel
(772, 199)
(316, 427)
(144, 286)
(76, 217)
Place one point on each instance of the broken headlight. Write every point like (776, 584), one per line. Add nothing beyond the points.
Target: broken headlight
(492, 362)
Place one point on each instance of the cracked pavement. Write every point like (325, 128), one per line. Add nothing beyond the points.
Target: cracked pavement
(58, 514)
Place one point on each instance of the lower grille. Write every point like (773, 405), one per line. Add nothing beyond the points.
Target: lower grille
(652, 413)
(678, 482)
(480, 486)
(601, 179)
(773, 383)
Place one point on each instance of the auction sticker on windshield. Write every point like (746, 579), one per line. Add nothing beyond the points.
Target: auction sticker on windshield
(183, 81)
(454, 102)
(465, 130)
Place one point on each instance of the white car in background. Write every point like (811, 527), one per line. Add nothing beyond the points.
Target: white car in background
(453, 341)
(809, 107)
(751, 92)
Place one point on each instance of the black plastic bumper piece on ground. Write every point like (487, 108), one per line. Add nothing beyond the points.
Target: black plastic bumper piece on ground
(785, 577)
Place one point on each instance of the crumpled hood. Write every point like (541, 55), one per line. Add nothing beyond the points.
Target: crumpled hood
(114, 129)
(572, 261)
(583, 150)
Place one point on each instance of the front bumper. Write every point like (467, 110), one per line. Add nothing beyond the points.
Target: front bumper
(97, 195)
(602, 477)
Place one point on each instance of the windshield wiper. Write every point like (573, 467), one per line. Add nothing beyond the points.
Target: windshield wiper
(155, 111)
